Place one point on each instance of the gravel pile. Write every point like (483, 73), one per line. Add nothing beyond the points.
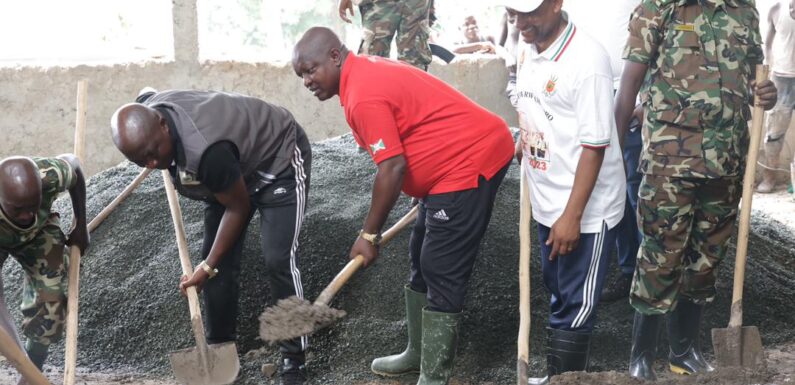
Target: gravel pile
(132, 315)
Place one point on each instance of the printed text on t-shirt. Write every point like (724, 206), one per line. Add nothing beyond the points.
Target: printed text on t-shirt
(533, 97)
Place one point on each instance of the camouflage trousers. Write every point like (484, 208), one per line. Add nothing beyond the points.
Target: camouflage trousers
(44, 293)
(686, 225)
(383, 19)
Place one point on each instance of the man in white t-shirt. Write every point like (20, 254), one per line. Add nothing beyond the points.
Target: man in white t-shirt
(577, 183)
(780, 53)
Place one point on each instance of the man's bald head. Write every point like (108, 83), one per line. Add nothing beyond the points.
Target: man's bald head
(132, 124)
(20, 189)
(316, 42)
(141, 134)
(318, 58)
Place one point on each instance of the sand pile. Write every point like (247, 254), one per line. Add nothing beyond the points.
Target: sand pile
(132, 315)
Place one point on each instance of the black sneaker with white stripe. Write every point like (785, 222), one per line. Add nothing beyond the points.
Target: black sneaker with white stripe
(292, 372)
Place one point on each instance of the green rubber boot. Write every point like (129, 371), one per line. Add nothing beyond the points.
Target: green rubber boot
(409, 360)
(439, 342)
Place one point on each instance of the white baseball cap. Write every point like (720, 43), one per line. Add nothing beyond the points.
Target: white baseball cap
(524, 6)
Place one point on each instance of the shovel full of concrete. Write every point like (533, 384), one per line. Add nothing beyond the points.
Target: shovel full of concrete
(294, 317)
(740, 345)
(215, 364)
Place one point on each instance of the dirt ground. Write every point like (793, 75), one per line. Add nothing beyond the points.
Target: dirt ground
(780, 361)
(132, 316)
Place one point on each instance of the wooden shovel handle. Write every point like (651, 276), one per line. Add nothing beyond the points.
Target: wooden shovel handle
(347, 272)
(20, 360)
(72, 308)
(184, 258)
(736, 319)
(117, 201)
(523, 356)
(80, 120)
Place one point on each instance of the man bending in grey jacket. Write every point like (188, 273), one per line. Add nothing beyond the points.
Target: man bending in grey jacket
(236, 153)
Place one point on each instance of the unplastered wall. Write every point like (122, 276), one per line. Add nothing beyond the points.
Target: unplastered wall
(38, 104)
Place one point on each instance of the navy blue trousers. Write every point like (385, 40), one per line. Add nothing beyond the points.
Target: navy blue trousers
(628, 238)
(575, 280)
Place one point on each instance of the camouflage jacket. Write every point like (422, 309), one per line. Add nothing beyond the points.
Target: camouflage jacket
(57, 176)
(365, 2)
(700, 54)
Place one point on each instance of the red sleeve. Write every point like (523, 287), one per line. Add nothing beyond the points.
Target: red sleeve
(376, 130)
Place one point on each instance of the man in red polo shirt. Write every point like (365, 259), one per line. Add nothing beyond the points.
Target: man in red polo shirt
(435, 144)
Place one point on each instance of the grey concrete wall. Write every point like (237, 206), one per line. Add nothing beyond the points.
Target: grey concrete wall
(38, 104)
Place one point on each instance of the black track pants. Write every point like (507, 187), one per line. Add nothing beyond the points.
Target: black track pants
(281, 207)
(446, 239)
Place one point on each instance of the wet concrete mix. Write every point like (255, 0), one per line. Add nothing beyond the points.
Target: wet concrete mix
(132, 315)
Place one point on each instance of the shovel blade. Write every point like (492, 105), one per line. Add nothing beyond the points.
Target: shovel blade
(221, 368)
(739, 346)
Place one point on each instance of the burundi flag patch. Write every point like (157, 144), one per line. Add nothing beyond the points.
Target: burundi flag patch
(377, 146)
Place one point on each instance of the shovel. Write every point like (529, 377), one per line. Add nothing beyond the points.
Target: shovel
(20, 360)
(205, 364)
(523, 358)
(740, 345)
(73, 288)
(294, 317)
(117, 201)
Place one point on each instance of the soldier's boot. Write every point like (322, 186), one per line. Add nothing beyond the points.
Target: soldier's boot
(566, 352)
(409, 360)
(37, 353)
(645, 332)
(439, 342)
(684, 324)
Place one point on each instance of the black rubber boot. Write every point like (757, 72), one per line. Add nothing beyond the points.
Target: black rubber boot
(645, 332)
(684, 325)
(292, 370)
(566, 352)
(618, 290)
(38, 355)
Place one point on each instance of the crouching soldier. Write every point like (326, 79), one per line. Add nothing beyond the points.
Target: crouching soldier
(30, 232)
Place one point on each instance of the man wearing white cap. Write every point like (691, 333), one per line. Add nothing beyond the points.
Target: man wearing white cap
(574, 166)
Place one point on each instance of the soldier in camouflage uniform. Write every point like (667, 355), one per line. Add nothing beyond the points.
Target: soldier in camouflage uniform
(698, 60)
(31, 233)
(383, 19)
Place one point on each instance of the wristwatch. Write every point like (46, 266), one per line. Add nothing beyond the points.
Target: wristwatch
(374, 239)
(211, 272)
